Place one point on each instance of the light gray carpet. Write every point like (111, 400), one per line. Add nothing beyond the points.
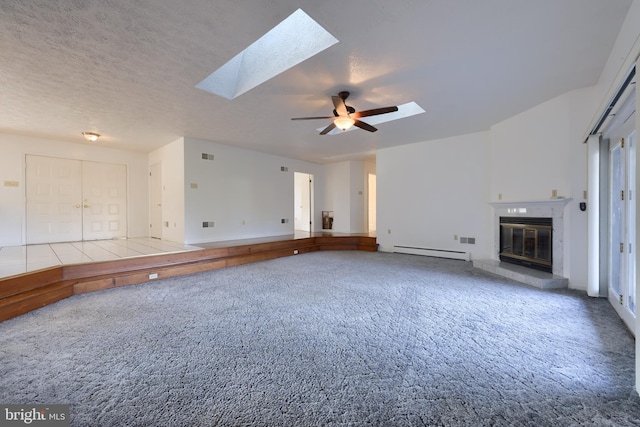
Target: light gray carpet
(329, 338)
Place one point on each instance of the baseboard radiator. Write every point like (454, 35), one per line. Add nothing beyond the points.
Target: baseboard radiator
(439, 253)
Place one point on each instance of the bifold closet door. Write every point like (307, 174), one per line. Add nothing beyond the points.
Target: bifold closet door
(54, 197)
(104, 201)
(72, 200)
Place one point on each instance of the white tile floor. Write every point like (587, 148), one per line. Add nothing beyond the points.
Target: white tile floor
(22, 259)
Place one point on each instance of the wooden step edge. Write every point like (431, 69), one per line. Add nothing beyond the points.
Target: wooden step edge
(25, 282)
(25, 302)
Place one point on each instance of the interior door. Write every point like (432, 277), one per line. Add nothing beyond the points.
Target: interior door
(622, 218)
(104, 200)
(53, 200)
(303, 188)
(155, 184)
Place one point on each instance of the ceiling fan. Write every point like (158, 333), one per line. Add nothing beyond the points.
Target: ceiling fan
(345, 116)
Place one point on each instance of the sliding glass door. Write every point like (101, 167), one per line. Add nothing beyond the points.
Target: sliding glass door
(622, 223)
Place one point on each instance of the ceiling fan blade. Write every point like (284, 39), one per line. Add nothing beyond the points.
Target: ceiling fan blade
(363, 125)
(374, 112)
(312, 118)
(339, 105)
(328, 129)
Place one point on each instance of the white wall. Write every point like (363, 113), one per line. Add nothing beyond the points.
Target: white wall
(12, 168)
(338, 197)
(541, 150)
(429, 192)
(531, 152)
(171, 159)
(245, 193)
(357, 199)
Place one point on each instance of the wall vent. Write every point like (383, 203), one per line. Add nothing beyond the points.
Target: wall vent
(207, 156)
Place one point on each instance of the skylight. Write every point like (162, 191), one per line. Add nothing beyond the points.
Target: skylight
(405, 110)
(292, 41)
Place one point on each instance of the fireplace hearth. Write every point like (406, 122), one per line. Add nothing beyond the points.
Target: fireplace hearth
(527, 241)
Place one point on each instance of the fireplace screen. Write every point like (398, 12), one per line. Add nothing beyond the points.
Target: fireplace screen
(527, 241)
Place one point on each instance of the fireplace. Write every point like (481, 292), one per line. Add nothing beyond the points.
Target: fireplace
(527, 241)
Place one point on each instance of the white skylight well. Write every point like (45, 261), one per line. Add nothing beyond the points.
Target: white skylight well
(292, 41)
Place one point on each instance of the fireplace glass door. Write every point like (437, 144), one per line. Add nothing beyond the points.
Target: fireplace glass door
(527, 242)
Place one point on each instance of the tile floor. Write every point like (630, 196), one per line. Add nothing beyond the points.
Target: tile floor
(22, 259)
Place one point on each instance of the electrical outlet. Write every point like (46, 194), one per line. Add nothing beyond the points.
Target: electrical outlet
(499, 196)
(554, 193)
(455, 237)
(295, 252)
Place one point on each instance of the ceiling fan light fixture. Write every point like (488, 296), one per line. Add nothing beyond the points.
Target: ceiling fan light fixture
(91, 136)
(343, 123)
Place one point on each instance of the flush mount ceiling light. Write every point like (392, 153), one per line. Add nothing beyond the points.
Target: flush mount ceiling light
(292, 41)
(91, 136)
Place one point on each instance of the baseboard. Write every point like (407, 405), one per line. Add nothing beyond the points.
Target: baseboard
(439, 253)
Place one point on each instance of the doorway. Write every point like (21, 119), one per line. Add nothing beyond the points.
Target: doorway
(73, 200)
(372, 202)
(155, 214)
(303, 201)
(621, 213)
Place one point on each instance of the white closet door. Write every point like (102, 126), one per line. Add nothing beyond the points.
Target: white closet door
(54, 199)
(104, 200)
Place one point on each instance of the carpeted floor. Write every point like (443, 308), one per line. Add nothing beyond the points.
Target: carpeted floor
(328, 338)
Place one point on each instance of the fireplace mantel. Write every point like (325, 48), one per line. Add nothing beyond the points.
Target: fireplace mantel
(526, 203)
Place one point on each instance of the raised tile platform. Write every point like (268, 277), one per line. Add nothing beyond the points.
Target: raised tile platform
(525, 275)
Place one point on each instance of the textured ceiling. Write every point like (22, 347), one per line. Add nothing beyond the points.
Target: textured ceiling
(128, 69)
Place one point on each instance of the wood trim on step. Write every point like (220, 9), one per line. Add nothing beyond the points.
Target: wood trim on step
(30, 291)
